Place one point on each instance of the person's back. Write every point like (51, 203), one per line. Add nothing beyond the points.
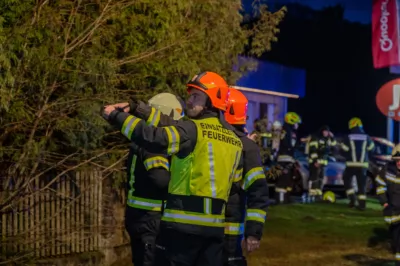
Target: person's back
(287, 140)
(388, 194)
(202, 178)
(285, 160)
(148, 177)
(356, 147)
(320, 146)
(205, 157)
(248, 199)
(147, 189)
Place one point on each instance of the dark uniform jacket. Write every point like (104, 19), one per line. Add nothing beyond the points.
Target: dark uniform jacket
(320, 148)
(287, 144)
(248, 199)
(357, 146)
(388, 191)
(148, 178)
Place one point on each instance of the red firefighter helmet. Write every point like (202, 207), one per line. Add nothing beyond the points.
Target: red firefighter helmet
(214, 86)
(236, 110)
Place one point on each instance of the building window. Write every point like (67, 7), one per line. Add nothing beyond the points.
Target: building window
(267, 110)
(251, 115)
(263, 110)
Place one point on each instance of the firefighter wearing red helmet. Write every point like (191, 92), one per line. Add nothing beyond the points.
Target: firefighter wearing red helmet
(248, 199)
(206, 154)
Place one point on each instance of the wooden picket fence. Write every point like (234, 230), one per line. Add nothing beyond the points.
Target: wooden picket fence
(57, 217)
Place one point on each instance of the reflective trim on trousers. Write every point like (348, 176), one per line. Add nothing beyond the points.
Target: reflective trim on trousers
(392, 219)
(281, 190)
(362, 197)
(381, 190)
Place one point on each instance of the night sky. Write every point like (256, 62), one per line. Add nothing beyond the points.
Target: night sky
(341, 81)
(355, 10)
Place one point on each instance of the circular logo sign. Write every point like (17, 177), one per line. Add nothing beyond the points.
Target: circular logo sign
(388, 99)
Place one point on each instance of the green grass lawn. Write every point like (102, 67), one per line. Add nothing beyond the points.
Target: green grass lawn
(323, 234)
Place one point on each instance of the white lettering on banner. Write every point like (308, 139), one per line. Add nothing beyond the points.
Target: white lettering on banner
(385, 41)
(395, 97)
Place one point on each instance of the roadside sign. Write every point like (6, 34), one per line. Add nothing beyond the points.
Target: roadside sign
(388, 99)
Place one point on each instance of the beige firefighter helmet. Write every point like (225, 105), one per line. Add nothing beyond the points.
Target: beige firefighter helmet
(168, 104)
(277, 125)
(396, 152)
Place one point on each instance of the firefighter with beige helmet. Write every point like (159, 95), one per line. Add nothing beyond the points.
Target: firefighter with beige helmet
(148, 178)
(168, 104)
(275, 138)
(388, 191)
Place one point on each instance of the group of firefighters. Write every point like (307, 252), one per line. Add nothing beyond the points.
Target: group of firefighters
(197, 190)
(356, 146)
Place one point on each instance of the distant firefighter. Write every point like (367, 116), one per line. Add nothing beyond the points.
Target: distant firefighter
(388, 191)
(357, 146)
(286, 161)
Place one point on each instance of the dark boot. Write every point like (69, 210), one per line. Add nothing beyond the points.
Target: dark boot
(304, 197)
(361, 205)
(287, 197)
(280, 197)
(318, 198)
(352, 202)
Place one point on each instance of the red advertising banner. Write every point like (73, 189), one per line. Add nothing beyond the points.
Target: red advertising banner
(385, 33)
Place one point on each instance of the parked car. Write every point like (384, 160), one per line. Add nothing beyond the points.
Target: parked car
(333, 177)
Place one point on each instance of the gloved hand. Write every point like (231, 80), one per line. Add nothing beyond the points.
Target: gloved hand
(250, 244)
(133, 105)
